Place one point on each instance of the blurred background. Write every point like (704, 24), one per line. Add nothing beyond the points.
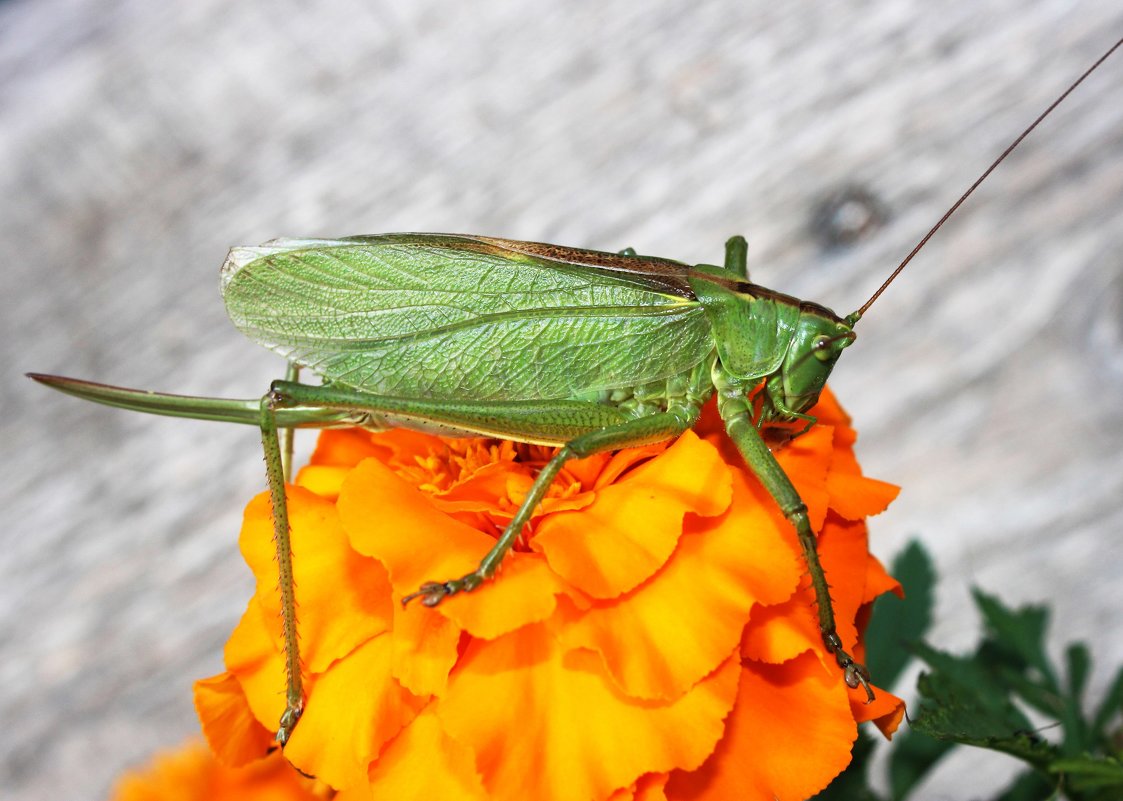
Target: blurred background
(139, 141)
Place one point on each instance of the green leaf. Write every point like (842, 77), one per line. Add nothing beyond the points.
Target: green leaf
(1091, 777)
(1031, 691)
(1079, 664)
(1078, 738)
(896, 623)
(1112, 705)
(964, 704)
(1021, 631)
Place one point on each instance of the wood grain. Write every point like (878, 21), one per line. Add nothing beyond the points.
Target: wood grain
(138, 141)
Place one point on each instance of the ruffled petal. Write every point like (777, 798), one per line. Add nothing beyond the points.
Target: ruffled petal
(524, 591)
(388, 519)
(376, 507)
(352, 711)
(192, 774)
(252, 656)
(425, 763)
(789, 735)
(633, 526)
(783, 631)
(886, 710)
(342, 598)
(855, 496)
(588, 740)
(778, 633)
(649, 787)
(675, 628)
(344, 447)
(234, 735)
(879, 582)
(324, 480)
(425, 649)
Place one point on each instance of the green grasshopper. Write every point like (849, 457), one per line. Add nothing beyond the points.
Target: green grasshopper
(586, 350)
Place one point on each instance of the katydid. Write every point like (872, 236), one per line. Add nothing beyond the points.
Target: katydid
(585, 350)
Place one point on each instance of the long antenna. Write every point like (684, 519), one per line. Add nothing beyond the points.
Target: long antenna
(857, 315)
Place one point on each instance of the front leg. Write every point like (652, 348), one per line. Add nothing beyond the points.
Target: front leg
(641, 431)
(737, 416)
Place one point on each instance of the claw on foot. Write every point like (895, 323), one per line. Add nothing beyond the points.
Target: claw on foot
(854, 673)
(432, 593)
(288, 722)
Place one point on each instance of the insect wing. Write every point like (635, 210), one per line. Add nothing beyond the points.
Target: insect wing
(446, 317)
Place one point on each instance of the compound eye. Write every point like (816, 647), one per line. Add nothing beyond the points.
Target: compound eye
(821, 347)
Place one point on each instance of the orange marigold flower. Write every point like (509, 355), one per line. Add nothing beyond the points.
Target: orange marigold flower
(192, 773)
(651, 636)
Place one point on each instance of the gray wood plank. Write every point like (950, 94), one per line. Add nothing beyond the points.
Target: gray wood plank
(138, 141)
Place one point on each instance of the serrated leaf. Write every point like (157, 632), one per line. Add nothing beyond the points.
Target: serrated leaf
(974, 673)
(1020, 630)
(1032, 692)
(1078, 739)
(1111, 706)
(975, 713)
(896, 623)
(1078, 663)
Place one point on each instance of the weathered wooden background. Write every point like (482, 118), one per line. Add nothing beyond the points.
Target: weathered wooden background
(139, 140)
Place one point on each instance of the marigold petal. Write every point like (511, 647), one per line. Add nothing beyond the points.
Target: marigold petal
(620, 462)
(854, 496)
(192, 774)
(388, 519)
(633, 526)
(886, 710)
(342, 597)
(524, 591)
(775, 564)
(324, 480)
(586, 471)
(844, 551)
(783, 631)
(234, 735)
(425, 649)
(376, 507)
(344, 447)
(577, 736)
(424, 762)
(649, 787)
(352, 711)
(484, 490)
(518, 486)
(778, 633)
(252, 656)
(660, 639)
(879, 582)
(790, 733)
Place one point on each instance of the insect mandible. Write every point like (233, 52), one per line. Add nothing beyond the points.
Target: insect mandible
(585, 350)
